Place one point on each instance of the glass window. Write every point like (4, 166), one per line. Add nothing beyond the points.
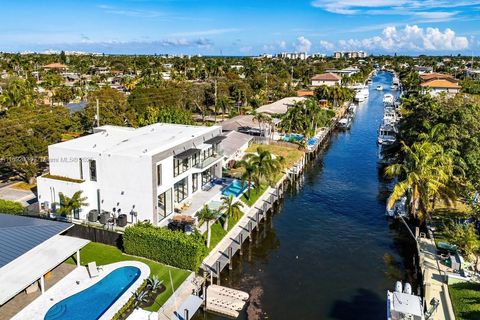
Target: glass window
(159, 174)
(181, 190)
(93, 170)
(180, 166)
(165, 204)
(194, 182)
(80, 163)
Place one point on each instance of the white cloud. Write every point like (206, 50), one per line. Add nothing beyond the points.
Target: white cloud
(302, 44)
(410, 38)
(427, 9)
(282, 44)
(326, 45)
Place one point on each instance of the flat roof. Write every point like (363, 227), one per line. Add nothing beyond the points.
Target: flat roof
(234, 141)
(280, 106)
(20, 234)
(129, 141)
(32, 265)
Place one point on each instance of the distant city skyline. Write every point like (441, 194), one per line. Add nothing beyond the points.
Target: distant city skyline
(246, 27)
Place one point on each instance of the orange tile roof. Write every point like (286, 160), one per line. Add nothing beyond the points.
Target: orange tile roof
(55, 65)
(305, 93)
(438, 76)
(326, 77)
(440, 83)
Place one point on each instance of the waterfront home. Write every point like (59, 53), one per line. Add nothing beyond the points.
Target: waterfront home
(248, 125)
(437, 76)
(138, 174)
(326, 79)
(55, 67)
(234, 146)
(31, 258)
(349, 71)
(280, 106)
(437, 86)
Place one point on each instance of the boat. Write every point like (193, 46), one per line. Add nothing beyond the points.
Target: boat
(390, 116)
(403, 305)
(352, 108)
(362, 94)
(388, 99)
(399, 208)
(387, 134)
(379, 88)
(345, 123)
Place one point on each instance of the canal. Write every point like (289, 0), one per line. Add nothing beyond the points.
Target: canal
(328, 251)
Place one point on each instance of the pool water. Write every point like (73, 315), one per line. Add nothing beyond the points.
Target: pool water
(293, 137)
(94, 301)
(235, 189)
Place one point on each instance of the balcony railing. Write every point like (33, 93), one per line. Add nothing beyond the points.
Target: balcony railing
(208, 161)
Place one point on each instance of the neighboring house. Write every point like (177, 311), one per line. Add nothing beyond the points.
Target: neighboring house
(234, 146)
(55, 66)
(326, 79)
(437, 76)
(248, 125)
(279, 107)
(437, 86)
(344, 72)
(422, 69)
(144, 173)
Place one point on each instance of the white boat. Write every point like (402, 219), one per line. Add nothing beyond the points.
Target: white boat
(379, 88)
(362, 94)
(388, 99)
(345, 123)
(399, 208)
(390, 116)
(387, 134)
(403, 305)
(352, 108)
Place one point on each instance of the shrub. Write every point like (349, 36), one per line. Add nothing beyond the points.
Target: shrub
(10, 207)
(174, 248)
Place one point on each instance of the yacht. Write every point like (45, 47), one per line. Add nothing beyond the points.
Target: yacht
(387, 135)
(345, 123)
(362, 94)
(388, 99)
(403, 305)
(390, 116)
(352, 108)
(399, 208)
(379, 88)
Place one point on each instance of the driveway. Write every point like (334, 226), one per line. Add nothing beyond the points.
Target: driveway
(26, 197)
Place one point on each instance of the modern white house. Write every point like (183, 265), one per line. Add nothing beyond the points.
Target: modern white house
(142, 173)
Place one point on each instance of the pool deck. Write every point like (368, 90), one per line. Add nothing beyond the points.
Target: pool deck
(79, 280)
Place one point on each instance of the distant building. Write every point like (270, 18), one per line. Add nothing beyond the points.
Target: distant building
(318, 55)
(293, 55)
(344, 72)
(326, 79)
(279, 107)
(438, 86)
(350, 54)
(422, 69)
(55, 66)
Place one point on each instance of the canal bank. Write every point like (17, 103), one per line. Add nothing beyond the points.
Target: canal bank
(322, 254)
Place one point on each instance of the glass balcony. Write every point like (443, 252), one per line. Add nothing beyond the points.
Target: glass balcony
(208, 161)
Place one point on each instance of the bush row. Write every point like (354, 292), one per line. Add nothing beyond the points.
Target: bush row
(10, 207)
(174, 248)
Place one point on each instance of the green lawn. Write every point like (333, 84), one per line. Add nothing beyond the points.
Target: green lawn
(218, 232)
(104, 254)
(466, 300)
(254, 195)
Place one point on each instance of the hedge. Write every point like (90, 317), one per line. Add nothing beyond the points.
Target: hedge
(173, 248)
(10, 207)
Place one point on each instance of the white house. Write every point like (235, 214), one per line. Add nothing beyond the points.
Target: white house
(143, 173)
(326, 79)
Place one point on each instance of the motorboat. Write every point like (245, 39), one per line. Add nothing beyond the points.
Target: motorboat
(403, 305)
(390, 116)
(379, 88)
(388, 99)
(398, 209)
(362, 94)
(345, 123)
(352, 108)
(387, 134)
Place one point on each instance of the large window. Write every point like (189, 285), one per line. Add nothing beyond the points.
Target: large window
(181, 190)
(207, 153)
(159, 174)
(195, 159)
(93, 170)
(180, 166)
(207, 175)
(194, 182)
(165, 204)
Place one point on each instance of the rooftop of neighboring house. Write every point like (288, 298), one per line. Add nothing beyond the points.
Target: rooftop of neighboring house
(280, 106)
(329, 76)
(55, 65)
(305, 93)
(438, 76)
(148, 140)
(440, 84)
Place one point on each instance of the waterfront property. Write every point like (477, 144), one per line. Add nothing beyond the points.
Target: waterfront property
(31, 258)
(326, 79)
(279, 107)
(143, 174)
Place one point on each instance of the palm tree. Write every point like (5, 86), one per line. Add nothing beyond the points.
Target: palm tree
(265, 162)
(69, 205)
(207, 215)
(426, 173)
(260, 118)
(250, 174)
(232, 209)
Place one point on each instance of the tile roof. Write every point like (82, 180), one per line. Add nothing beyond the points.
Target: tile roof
(326, 77)
(440, 83)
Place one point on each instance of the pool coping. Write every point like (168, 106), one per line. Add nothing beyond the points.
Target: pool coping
(68, 286)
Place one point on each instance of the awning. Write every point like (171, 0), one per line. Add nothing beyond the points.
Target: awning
(215, 140)
(187, 153)
(32, 265)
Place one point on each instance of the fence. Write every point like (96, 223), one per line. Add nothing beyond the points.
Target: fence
(96, 235)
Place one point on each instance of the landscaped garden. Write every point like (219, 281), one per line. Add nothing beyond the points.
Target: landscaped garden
(104, 254)
(466, 300)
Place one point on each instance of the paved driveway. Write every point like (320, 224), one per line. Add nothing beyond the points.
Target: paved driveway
(26, 197)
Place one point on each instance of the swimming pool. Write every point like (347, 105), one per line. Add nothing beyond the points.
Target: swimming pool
(293, 137)
(94, 301)
(235, 189)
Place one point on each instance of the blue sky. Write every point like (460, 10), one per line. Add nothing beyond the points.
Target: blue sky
(246, 27)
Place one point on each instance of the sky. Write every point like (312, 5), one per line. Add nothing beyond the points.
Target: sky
(242, 27)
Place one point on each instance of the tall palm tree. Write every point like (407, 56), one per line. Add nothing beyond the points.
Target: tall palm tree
(232, 209)
(261, 118)
(425, 174)
(207, 215)
(265, 162)
(69, 205)
(250, 174)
